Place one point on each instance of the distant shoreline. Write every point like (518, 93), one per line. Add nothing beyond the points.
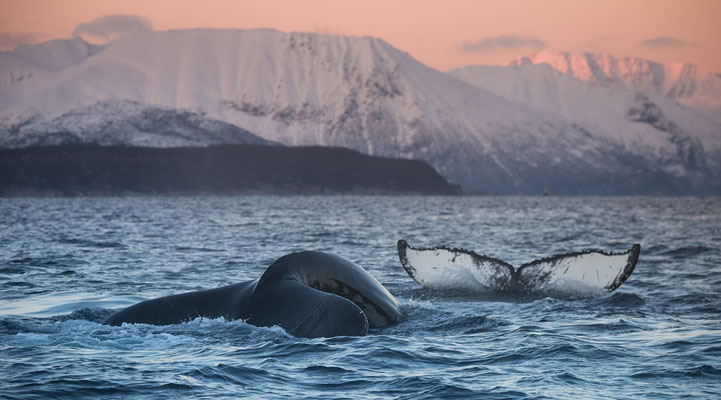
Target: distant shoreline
(92, 170)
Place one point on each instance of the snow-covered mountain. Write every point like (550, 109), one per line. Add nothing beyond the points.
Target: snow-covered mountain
(361, 93)
(682, 82)
(126, 123)
(38, 62)
(651, 125)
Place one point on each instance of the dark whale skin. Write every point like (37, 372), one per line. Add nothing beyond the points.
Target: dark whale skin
(308, 294)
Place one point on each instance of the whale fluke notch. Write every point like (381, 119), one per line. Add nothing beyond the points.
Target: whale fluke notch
(586, 271)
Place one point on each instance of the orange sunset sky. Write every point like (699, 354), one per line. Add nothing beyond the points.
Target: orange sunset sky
(443, 34)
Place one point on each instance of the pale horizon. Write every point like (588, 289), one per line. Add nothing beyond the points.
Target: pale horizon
(444, 35)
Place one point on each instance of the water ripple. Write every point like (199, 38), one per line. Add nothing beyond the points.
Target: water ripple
(67, 263)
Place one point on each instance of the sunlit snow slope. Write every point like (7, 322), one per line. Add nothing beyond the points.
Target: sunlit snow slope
(682, 82)
(669, 136)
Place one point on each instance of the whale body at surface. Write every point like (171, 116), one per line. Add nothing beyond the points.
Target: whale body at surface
(308, 294)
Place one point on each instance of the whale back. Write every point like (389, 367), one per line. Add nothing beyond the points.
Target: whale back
(175, 309)
(308, 294)
(332, 274)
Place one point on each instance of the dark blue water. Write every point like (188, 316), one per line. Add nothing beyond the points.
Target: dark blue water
(66, 263)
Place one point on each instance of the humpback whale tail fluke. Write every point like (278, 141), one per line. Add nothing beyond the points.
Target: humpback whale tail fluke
(572, 273)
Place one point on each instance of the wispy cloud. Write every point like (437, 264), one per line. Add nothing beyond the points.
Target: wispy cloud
(661, 42)
(9, 40)
(504, 42)
(111, 26)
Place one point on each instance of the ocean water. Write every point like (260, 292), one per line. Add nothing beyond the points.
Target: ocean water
(67, 263)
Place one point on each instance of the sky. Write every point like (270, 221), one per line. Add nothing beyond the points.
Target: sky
(443, 34)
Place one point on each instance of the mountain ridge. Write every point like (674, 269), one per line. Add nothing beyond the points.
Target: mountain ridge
(128, 123)
(354, 92)
(683, 82)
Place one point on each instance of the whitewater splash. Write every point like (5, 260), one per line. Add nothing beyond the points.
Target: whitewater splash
(581, 273)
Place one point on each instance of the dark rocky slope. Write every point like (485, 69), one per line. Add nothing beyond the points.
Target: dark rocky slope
(226, 169)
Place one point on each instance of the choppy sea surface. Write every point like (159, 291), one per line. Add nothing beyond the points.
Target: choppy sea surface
(67, 263)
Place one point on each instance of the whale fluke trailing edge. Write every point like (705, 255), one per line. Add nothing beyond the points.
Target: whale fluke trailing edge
(575, 273)
(308, 294)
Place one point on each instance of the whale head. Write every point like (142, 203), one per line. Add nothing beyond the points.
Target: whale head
(333, 274)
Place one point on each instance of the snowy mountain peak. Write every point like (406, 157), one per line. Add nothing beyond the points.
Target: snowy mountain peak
(682, 82)
(28, 63)
(56, 54)
(608, 69)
